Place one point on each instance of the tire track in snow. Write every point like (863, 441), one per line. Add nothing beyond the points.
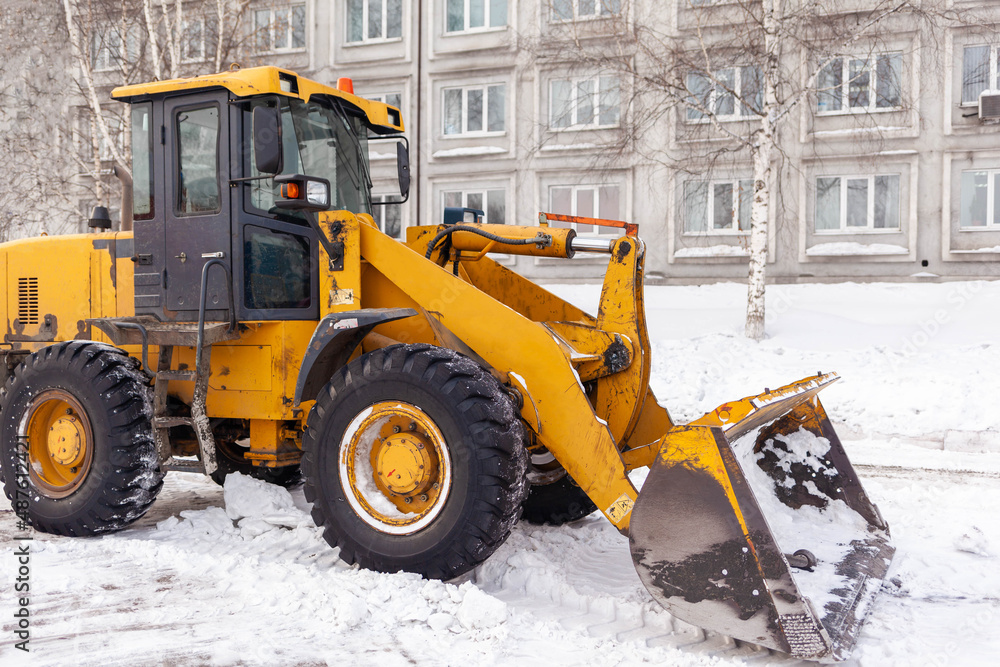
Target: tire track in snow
(581, 576)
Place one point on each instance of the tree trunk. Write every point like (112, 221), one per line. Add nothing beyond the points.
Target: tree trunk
(760, 153)
(759, 214)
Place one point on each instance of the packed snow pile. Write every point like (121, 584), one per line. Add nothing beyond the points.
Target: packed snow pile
(252, 500)
(240, 575)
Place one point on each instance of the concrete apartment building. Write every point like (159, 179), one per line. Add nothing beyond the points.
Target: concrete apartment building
(889, 174)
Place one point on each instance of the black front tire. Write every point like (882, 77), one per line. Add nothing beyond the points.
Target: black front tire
(557, 503)
(229, 458)
(484, 455)
(99, 399)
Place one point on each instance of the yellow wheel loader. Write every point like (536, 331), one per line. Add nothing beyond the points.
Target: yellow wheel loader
(252, 317)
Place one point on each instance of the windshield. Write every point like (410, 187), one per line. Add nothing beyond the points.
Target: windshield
(324, 141)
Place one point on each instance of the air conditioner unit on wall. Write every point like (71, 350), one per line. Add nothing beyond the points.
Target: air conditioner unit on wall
(989, 105)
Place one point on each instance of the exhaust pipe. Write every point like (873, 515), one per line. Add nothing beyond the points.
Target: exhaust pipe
(126, 178)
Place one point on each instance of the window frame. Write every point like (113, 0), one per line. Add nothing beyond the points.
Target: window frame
(101, 43)
(870, 227)
(484, 191)
(204, 23)
(384, 98)
(379, 214)
(710, 230)
(872, 87)
(365, 10)
(485, 132)
(993, 76)
(574, 83)
(289, 29)
(595, 188)
(992, 176)
(487, 17)
(713, 97)
(178, 163)
(598, 14)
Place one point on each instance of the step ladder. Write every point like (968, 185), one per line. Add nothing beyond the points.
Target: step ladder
(147, 330)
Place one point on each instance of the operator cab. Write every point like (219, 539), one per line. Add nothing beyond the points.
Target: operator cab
(209, 158)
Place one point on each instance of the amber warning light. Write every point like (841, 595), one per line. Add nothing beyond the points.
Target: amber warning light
(302, 192)
(290, 191)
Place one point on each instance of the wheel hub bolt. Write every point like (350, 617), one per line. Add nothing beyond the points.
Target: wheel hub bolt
(69, 411)
(395, 429)
(413, 426)
(407, 500)
(436, 485)
(423, 497)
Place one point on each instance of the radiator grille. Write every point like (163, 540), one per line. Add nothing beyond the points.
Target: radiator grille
(27, 300)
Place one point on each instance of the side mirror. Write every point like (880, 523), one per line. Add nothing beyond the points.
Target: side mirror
(403, 168)
(267, 139)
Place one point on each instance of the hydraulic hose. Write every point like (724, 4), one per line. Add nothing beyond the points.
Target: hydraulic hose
(542, 240)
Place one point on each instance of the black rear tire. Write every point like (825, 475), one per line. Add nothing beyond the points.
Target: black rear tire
(88, 463)
(480, 475)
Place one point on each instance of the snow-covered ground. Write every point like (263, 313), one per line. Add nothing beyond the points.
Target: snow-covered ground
(242, 576)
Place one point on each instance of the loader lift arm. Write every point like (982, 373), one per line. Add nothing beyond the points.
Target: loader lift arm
(515, 345)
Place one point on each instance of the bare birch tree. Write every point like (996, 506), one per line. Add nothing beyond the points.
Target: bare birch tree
(731, 73)
(67, 55)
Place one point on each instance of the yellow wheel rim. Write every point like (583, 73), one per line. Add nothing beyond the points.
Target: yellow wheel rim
(395, 467)
(60, 442)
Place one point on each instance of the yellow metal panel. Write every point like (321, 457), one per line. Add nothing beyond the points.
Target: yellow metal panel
(271, 350)
(531, 300)
(241, 368)
(64, 295)
(340, 290)
(124, 279)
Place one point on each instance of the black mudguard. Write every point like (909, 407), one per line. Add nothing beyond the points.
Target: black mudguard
(336, 337)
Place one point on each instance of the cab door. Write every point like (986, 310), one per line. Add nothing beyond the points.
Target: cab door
(197, 215)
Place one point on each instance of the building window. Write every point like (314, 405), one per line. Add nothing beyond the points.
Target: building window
(392, 99)
(465, 15)
(374, 20)
(587, 201)
(731, 93)
(859, 84)
(979, 72)
(583, 103)
(277, 30)
(857, 203)
(115, 130)
(717, 207)
(474, 110)
(388, 217)
(575, 10)
(108, 51)
(198, 43)
(492, 202)
(980, 203)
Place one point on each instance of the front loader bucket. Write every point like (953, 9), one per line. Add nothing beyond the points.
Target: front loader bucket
(752, 523)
